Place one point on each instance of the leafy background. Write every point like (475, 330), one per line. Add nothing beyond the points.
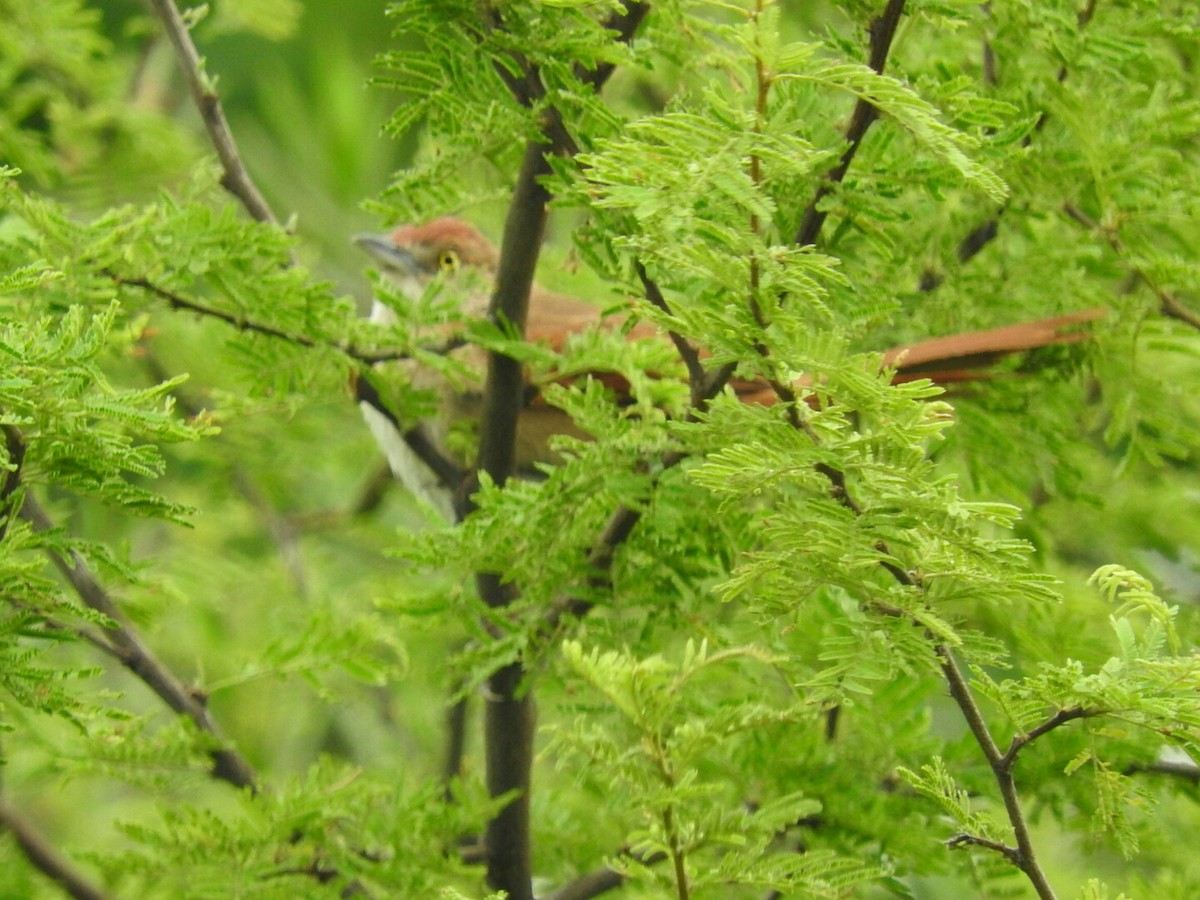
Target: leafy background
(274, 555)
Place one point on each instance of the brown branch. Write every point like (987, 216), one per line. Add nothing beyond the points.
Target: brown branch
(968, 840)
(603, 880)
(236, 179)
(1168, 304)
(417, 437)
(45, 858)
(1024, 856)
(1060, 718)
(689, 354)
(626, 25)
(983, 234)
(127, 646)
(509, 715)
(882, 31)
(593, 884)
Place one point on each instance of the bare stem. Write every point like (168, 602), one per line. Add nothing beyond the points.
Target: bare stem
(45, 858)
(509, 717)
(236, 179)
(1024, 856)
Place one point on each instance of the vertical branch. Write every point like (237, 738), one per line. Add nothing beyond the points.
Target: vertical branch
(882, 31)
(510, 715)
(1001, 765)
(762, 79)
(984, 233)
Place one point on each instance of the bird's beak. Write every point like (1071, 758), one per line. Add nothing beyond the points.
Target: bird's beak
(385, 252)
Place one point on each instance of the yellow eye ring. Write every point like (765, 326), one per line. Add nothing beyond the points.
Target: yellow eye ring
(448, 261)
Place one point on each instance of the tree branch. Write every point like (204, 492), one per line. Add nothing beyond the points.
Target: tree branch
(127, 646)
(1168, 304)
(179, 302)
(966, 840)
(689, 354)
(626, 25)
(46, 859)
(509, 717)
(602, 880)
(1185, 770)
(1024, 856)
(984, 233)
(236, 179)
(1062, 717)
(15, 451)
(882, 31)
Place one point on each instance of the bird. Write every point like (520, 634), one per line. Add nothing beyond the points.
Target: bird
(413, 255)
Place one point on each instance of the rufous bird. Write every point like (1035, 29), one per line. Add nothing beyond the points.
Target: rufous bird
(413, 255)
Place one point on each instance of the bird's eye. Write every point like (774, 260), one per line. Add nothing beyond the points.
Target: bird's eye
(448, 261)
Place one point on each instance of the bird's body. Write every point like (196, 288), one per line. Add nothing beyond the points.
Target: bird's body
(413, 255)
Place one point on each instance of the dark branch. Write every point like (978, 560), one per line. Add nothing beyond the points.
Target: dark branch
(601, 881)
(1188, 771)
(625, 25)
(1024, 856)
(15, 449)
(418, 438)
(509, 717)
(46, 858)
(179, 302)
(882, 32)
(689, 354)
(1062, 717)
(973, 840)
(984, 233)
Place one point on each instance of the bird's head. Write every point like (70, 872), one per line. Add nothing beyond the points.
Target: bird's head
(448, 250)
(423, 252)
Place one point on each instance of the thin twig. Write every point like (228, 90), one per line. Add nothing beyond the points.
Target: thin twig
(180, 302)
(44, 857)
(1186, 770)
(1169, 305)
(968, 840)
(417, 437)
(1060, 718)
(689, 354)
(14, 448)
(984, 233)
(135, 655)
(236, 179)
(603, 880)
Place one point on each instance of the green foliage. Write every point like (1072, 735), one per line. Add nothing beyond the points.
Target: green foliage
(756, 688)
